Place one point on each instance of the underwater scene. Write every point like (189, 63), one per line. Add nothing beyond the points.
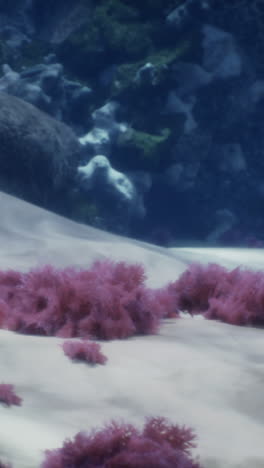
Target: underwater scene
(131, 233)
(146, 118)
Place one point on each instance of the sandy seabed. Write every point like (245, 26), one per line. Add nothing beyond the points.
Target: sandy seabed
(204, 374)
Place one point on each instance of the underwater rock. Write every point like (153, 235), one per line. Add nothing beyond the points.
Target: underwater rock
(45, 86)
(98, 174)
(105, 130)
(38, 154)
(106, 182)
(221, 56)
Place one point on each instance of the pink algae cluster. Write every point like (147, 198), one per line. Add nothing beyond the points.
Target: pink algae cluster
(8, 396)
(159, 445)
(111, 301)
(108, 301)
(86, 351)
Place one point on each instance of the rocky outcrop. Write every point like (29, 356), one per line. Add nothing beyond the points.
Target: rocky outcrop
(38, 154)
(173, 90)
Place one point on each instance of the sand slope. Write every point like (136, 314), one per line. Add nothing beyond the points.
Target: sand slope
(196, 372)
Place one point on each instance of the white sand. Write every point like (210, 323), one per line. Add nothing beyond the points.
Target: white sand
(200, 373)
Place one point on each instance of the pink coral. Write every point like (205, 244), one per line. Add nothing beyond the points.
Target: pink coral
(235, 297)
(85, 351)
(111, 301)
(8, 395)
(108, 301)
(159, 445)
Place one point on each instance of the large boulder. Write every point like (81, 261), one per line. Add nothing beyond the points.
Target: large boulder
(38, 154)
